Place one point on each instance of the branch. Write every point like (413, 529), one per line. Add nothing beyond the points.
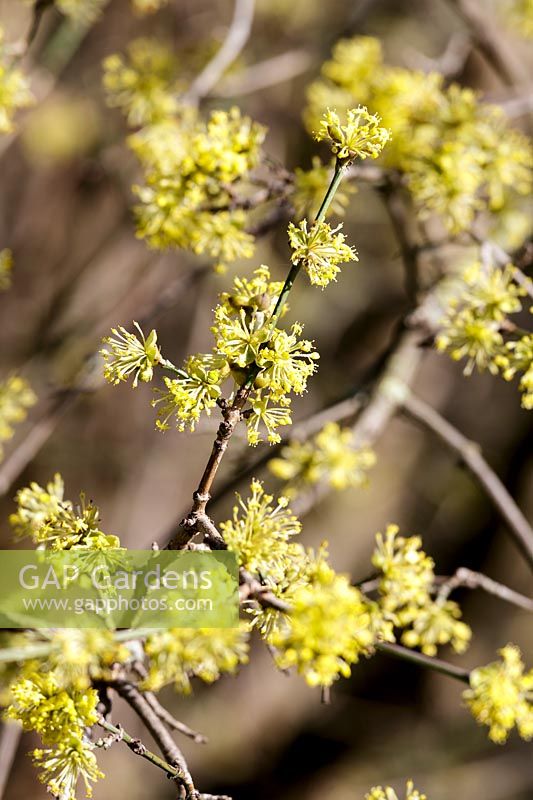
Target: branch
(254, 589)
(238, 34)
(471, 456)
(435, 664)
(134, 744)
(9, 742)
(270, 72)
(475, 580)
(232, 413)
(155, 726)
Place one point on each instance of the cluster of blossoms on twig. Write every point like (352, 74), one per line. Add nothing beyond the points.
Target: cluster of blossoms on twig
(457, 154)
(45, 517)
(477, 326)
(501, 696)
(331, 456)
(407, 587)
(16, 397)
(197, 173)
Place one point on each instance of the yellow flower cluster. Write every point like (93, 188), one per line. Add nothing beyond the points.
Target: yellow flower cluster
(330, 456)
(361, 136)
(500, 696)
(142, 84)
(45, 517)
(476, 326)
(79, 657)
(130, 355)
(406, 584)
(320, 250)
(179, 654)
(260, 533)
(387, 793)
(16, 396)
(457, 154)
(329, 627)
(14, 89)
(6, 266)
(188, 200)
(60, 717)
(328, 623)
(244, 341)
(310, 188)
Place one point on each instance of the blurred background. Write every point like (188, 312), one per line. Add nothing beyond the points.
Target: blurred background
(65, 211)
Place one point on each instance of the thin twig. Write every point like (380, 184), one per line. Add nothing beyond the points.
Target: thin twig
(471, 456)
(135, 745)
(9, 742)
(238, 34)
(232, 413)
(170, 750)
(435, 664)
(464, 577)
(270, 72)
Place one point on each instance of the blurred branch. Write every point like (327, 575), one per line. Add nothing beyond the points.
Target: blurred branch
(382, 404)
(39, 7)
(471, 456)
(490, 42)
(237, 36)
(9, 742)
(269, 72)
(452, 60)
(428, 662)
(468, 579)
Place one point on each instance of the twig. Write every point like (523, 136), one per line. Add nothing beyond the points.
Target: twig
(471, 456)
(403, 227)
(135, 745)
(435, 664)
(267, 599)
(232, 413)
(475, 580)
(164, 715)
(171, 722)
(170, 750)
(9, 742)
(238, 34)
(270, 72)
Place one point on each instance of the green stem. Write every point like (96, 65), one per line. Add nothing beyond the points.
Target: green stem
(295, 269)
(436, 664)
(138, 748)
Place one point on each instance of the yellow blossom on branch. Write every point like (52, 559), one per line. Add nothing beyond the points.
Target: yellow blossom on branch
(320, 250)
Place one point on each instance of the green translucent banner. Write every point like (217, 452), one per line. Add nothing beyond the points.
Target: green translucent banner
(118, 588)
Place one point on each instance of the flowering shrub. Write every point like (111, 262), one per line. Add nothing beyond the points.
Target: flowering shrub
(204, 184)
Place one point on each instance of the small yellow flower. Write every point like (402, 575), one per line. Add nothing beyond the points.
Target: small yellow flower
(129, 354)
(500, 696)
(361, 137)
(320, 249)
